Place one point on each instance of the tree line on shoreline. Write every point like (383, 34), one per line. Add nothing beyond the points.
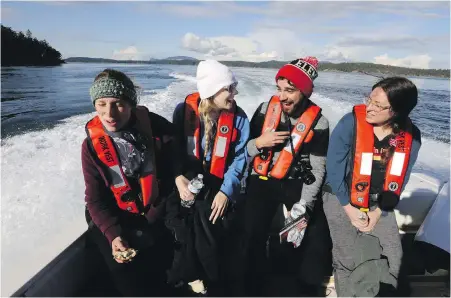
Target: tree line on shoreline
(19, 49)
(362, 67)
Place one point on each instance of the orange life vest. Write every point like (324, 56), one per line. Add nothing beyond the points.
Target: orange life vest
(225, 134)
(363, 160)
(301, 133)
(126, 198)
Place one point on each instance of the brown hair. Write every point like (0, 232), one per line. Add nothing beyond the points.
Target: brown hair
(209, 113)
(288, 81)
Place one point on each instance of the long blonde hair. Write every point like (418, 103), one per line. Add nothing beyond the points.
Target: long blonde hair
(209, 113)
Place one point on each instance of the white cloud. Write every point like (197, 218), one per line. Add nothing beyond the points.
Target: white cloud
(288, 43)
(207, 46)
(129, 53)
(419, 61)
(336, 54)
(227, 47)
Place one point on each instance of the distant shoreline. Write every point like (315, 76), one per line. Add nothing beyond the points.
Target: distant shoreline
(377, 70)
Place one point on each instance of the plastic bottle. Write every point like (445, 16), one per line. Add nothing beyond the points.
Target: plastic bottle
(194, 186)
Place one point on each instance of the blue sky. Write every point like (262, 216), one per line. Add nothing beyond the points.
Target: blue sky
(412, 34)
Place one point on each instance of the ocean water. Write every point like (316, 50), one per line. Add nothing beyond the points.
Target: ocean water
(44, 111)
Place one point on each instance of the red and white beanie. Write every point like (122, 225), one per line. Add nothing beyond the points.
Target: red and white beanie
(301, 72)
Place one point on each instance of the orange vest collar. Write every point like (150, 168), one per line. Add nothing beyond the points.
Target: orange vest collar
(301, 133)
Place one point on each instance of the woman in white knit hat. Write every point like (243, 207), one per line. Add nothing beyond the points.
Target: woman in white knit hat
(212, 133)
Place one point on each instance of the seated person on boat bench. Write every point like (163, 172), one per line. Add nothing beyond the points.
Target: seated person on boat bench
(289, 139)
(127, 173)
(371, 154)
(212, 132)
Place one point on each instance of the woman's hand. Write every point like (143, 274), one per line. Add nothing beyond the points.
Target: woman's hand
(271, 138)
(358, 218)
(218, 206)
(373, 218)
(117, 245)
(182, 186)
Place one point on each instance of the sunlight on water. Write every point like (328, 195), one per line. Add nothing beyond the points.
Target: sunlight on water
(42, 183)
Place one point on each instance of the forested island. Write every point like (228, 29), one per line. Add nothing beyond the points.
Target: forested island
(362, 67)
(19, 49)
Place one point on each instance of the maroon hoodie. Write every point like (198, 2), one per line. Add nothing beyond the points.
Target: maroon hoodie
(100, 202)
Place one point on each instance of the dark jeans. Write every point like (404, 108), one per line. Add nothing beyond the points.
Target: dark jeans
(309, 263)
(145, 275)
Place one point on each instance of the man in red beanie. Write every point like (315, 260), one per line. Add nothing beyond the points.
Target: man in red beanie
(287, 152)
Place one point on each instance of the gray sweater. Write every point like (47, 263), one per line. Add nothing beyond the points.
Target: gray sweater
(315, 150)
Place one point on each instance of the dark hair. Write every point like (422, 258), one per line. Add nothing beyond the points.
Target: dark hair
(288, 81)
(121, 77)
(402, 95)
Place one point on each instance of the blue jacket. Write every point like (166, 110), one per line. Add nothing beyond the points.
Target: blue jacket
(236, 165)
(339, 160)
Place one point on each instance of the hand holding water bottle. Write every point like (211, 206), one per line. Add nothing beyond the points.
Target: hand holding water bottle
(194, 187)
(182, 186)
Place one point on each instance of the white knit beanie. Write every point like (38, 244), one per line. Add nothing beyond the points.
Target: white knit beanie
(212, 76)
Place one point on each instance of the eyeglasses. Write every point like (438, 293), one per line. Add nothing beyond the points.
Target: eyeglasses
(231, 87)
(378, 108)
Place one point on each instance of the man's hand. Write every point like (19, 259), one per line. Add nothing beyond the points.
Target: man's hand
(182, 186)
(358, 218)
(373, 218)
(218, 206)
(271, 138)
(117, 245)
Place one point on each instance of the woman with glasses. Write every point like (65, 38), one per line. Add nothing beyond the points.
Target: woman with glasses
(212, 133)
(126, 165)
(371, 154)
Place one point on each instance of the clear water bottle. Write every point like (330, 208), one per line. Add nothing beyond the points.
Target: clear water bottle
(194, 186)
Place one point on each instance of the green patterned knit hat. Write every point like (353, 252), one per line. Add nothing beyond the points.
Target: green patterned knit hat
(109, 87)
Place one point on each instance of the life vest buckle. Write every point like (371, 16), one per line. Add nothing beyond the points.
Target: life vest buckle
(128, 196)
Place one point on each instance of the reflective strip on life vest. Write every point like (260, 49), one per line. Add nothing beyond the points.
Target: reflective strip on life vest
(363, 160)
(225, 134)
(398, 164)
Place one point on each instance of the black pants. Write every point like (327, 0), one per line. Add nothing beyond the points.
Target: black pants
(307, 263)
(145, 275)
(198, 241)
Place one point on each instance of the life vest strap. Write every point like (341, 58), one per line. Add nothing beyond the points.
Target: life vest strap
(126, 198)
(301, 133)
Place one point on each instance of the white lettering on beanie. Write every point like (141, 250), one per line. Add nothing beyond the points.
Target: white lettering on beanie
(212, 76)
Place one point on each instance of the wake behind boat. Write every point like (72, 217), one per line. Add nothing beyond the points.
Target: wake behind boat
(423, 220)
